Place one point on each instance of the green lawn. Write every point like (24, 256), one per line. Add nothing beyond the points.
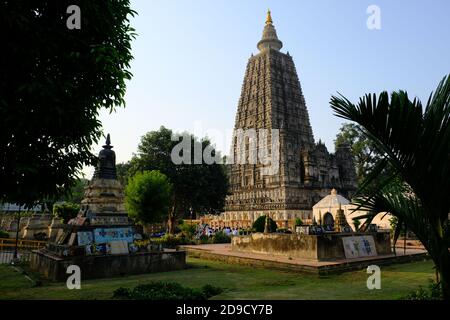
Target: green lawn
(239, 282)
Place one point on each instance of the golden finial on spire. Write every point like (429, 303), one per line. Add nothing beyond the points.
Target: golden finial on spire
(269, 17)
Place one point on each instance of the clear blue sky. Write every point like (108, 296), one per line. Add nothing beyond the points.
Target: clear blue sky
(190, 58)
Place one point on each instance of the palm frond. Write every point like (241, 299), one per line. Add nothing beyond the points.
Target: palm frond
(416, 146)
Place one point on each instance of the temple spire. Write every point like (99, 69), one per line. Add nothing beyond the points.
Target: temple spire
(269, 17)
(269, 38)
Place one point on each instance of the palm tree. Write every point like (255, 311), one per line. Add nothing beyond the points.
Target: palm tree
(415, 144)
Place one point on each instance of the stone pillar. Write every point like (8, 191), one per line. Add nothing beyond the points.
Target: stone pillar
(55, 226)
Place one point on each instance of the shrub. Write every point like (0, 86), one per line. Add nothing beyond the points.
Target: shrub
(260, 223)
(434, 292)
(166, 291)
(221, 237)
(211, 291)
(298, 222)
(204, 239)
(66, 211)
(171, 241)
(4, 234)
(122, 293)
(187, 229)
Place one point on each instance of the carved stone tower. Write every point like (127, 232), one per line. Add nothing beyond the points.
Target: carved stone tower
(104, 195)
(102, 217)
(272, 99)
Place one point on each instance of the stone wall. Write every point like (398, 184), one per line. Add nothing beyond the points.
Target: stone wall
(245, 219)
(293, 245)
(314, 247)
(324, 269)
(92, 267)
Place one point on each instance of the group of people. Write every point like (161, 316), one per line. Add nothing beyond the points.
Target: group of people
(207, 230)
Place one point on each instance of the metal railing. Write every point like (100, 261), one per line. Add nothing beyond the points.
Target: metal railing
(24, 249)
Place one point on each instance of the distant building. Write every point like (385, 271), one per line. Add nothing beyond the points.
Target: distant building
(14, 208)
(8, 219)
(326, 210)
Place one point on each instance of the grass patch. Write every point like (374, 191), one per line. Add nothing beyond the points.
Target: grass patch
(239, 282)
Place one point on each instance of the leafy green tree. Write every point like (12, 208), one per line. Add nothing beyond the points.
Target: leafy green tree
(197, 188)
(415, 143)
(76, 193)
(123, 171)
(221, 237)
(53, 82)
(298, 222)
(363, 149)
(147, 196)
(260, 224)
(73, 195)
(66, 211)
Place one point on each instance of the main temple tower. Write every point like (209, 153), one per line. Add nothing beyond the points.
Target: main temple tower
(272, 103)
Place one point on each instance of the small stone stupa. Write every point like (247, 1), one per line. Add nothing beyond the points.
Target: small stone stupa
(103, 203)
(340, 223)
(102, 226)
(102, 240)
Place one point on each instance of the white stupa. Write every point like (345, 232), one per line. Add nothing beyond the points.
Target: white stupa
(325, 211)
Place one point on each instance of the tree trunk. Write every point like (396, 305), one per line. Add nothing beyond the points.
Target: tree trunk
(171, 220)
(444, 271)
(438, 250)
(17, 235)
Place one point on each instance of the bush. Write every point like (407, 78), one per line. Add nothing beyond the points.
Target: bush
(188, 229)
(211, 291)
(166, 291)
(260, 223)
(434, 292)
(176, 230)
(221, 237)
(298, 222)
(122, 293)
(4, 234)
(171, 241)
(204, 239)
(66, 211)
